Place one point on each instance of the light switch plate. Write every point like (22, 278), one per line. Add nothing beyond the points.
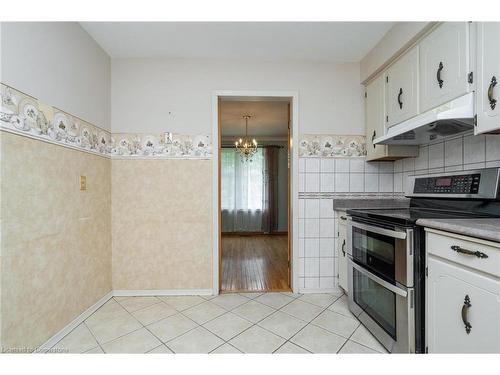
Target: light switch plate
(83, 183)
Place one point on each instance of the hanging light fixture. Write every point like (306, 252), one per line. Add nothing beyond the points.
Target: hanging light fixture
(246, 147)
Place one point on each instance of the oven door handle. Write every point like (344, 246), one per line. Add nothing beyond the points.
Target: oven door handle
(378, 280)
(383, 231)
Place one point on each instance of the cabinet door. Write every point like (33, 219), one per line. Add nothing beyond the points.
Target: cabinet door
(444, 65)
(402, 88)
(450, 289)
(375, 118)
(488, 77)
(341, 249)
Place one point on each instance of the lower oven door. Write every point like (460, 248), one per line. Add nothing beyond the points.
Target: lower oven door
(385, 309)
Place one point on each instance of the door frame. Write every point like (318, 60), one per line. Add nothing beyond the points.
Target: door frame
(293, 221)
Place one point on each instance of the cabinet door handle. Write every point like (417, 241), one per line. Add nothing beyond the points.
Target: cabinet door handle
(343, 218)
(343, 248)
(438, 75)
(493, 102)
(465, 313)
(373, 137)
(461, 250)
(399, 98)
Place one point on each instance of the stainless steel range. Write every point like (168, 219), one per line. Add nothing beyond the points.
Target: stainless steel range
(386, 252)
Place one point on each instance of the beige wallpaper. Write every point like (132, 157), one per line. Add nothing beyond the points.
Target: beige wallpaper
(161, 224)
(56, 242)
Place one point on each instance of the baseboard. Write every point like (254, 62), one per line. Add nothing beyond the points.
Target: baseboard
(166, 292)
(74, 323)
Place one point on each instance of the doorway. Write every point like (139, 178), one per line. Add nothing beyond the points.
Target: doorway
(254, 194)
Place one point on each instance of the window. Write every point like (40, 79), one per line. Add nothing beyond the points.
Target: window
(241, 181)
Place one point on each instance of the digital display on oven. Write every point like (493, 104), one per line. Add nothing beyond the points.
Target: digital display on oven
(443, 181)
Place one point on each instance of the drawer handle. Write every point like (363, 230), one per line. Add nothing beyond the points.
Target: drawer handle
(343, 248)
(438, 75)
(461, 250)
(343, 218)
(399, 98)
(465, 313)
(493, 83)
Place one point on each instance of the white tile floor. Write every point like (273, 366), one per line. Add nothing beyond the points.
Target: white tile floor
(229, 323)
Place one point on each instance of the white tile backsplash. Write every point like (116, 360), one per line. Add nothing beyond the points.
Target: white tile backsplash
(474, 149)
(386, 182)
(341, 182)
(422, 161)
(311, 228)
(325, 208)
(327, 165)
(357, 182)
(326, 228)
(341, 165)
(311, 267)
(326, 267)
(357, 165)
(312, 182)
(371, 183)
(311, 248)
(436, 155)
(492, 147)
(453, 152)
(312, 165)
(327, 182)
(311, 208)
(342, 176)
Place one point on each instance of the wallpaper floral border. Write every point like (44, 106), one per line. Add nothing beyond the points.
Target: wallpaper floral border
(25, 115)
(332, 145)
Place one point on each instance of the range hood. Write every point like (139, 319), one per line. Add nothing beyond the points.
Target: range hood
(454, 117)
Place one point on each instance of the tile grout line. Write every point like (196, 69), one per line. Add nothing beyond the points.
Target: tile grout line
(296, 333)
(226, 310)
(92, 333)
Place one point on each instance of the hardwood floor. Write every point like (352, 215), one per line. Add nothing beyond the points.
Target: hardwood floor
(254, 263)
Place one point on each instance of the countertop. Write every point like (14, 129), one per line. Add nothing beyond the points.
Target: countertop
(349, 204)
(487, 229)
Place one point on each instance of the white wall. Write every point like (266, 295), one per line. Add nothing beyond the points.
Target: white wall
(397, 39)
(144, 91)
(60, 64)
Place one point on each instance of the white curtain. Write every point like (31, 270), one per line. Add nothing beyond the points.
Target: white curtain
(242, 186)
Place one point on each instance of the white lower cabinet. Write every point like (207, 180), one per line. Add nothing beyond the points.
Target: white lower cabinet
(463, 308)
(342, 249)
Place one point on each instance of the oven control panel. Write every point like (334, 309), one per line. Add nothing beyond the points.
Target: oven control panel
(458, 184)
(471, 184)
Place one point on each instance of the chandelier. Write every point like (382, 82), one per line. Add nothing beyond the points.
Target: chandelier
(246, 147)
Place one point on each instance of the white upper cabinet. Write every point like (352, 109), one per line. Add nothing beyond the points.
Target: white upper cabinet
(402, 88)
(444, 65)
(488, 77)
(375, 118)
(375, 125)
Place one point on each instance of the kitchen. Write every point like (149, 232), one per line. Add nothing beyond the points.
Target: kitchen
(394, 208)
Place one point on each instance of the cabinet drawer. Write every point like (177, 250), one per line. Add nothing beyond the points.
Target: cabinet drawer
(441, 243)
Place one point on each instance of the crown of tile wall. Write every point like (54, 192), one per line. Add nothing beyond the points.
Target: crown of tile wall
(27, 116)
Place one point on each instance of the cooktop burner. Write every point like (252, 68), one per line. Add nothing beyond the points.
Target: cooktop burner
(408, 216)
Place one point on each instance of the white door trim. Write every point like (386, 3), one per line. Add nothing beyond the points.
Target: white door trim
(294, 199)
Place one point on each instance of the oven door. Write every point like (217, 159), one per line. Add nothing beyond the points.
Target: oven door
(386, 310)
(386, 251)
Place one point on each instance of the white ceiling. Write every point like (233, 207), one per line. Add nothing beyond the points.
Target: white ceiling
(308, 41)
(269, 118)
